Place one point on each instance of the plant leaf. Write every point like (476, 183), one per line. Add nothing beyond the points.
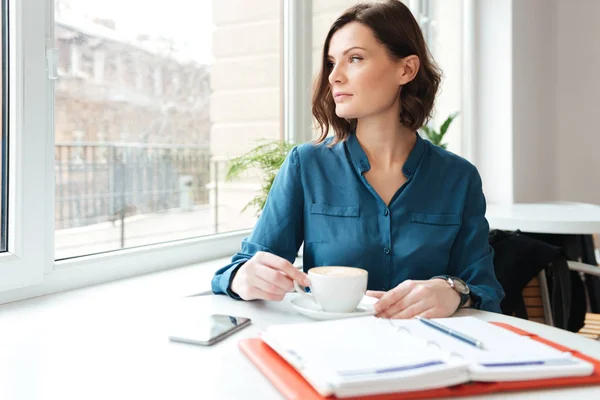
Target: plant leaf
(268, 156)
(447, 123)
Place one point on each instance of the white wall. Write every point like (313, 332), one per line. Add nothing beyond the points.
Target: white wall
(538, 89)
(577, 62)
(534, 105)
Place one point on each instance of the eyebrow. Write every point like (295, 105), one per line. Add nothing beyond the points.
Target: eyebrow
(348, 50)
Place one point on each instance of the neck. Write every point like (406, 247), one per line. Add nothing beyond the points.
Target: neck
(385, 141)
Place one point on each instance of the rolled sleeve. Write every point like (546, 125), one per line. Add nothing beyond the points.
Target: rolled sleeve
(221, 282)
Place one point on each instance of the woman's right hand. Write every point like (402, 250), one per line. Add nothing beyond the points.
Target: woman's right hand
(268, 277)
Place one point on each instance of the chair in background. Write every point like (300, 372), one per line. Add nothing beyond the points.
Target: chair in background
(537, 298)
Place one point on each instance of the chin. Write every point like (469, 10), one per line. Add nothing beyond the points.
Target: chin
(343, 112)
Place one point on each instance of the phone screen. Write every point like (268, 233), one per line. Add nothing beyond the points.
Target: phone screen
(207, 329)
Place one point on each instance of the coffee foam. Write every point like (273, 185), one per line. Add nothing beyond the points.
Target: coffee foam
(338, 271)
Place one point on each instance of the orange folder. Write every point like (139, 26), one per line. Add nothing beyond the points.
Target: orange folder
(294, 387)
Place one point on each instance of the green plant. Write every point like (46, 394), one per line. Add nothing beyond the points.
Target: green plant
(436, 137)
(268, 157)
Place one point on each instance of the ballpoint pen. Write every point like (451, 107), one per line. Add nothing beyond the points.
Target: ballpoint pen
(451, 332)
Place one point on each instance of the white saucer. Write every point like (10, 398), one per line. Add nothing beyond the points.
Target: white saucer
(307, 307)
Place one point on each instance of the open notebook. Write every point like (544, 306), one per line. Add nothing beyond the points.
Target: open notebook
(364, 356)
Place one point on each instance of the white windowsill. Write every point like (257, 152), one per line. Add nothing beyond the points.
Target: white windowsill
(162, 285)
(127, 263)
(165, 285)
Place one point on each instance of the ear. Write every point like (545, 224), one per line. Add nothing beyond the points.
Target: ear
(408, 69)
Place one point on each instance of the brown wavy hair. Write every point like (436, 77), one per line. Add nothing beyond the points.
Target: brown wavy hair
(395, 27)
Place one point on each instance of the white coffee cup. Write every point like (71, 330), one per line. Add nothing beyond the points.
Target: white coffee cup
(336, 289)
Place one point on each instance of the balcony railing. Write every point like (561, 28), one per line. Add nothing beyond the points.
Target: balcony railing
(99, 182)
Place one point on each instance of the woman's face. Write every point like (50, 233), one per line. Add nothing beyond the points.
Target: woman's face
(364, 79)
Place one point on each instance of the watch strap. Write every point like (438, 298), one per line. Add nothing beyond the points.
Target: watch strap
(464, 297)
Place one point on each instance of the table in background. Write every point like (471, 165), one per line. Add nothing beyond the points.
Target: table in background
(575, 223)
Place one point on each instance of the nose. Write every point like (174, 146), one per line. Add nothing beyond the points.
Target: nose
(336, 75)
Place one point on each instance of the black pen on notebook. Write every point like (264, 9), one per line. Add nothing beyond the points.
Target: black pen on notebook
(451, 332)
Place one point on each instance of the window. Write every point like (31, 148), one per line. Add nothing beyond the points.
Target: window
(171, 103)
(87, 149)
(4, 88)
(99, 62)
(442, 23)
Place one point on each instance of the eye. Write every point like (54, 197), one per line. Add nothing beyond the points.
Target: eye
(330, 64)
(354, 59)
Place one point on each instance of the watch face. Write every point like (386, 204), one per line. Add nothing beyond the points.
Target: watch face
(461, 286)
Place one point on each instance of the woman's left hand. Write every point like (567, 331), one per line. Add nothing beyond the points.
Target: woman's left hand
(433, 298)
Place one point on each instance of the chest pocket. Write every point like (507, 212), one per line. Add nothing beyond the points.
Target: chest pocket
(435, 219)
(335, 211)
(433, 237)
(329, 223)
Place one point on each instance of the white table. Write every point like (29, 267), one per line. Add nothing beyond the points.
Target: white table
(556, 218)
(116, 347)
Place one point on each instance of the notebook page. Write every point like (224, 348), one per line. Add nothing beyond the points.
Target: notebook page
(356, 346)
(500, 345)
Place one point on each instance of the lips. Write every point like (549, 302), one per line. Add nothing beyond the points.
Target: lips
(341, 96)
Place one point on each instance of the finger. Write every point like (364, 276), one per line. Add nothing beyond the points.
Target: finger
(393, 296)
(411, 311)
(255, 293)
(375, 293)
(418, 294)
(283, 265)
(267, 286)
(276, 277)
(400, 305)
(430, 313)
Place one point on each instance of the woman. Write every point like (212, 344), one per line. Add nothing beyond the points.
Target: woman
(375, 195)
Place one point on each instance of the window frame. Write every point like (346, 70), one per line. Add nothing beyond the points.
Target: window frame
(25, 261)
(297, 53)
(28, 268)
(469, 71)
(4, 127)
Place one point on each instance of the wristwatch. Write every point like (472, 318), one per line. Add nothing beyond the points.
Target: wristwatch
(459, 286)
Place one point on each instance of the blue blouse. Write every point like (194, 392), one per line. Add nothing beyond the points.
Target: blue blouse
(434, 225)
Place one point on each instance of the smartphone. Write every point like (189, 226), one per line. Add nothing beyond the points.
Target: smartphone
(207, 330)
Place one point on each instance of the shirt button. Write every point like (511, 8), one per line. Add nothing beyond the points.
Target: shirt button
(386, 212)
(408, 171)
(386, 250)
